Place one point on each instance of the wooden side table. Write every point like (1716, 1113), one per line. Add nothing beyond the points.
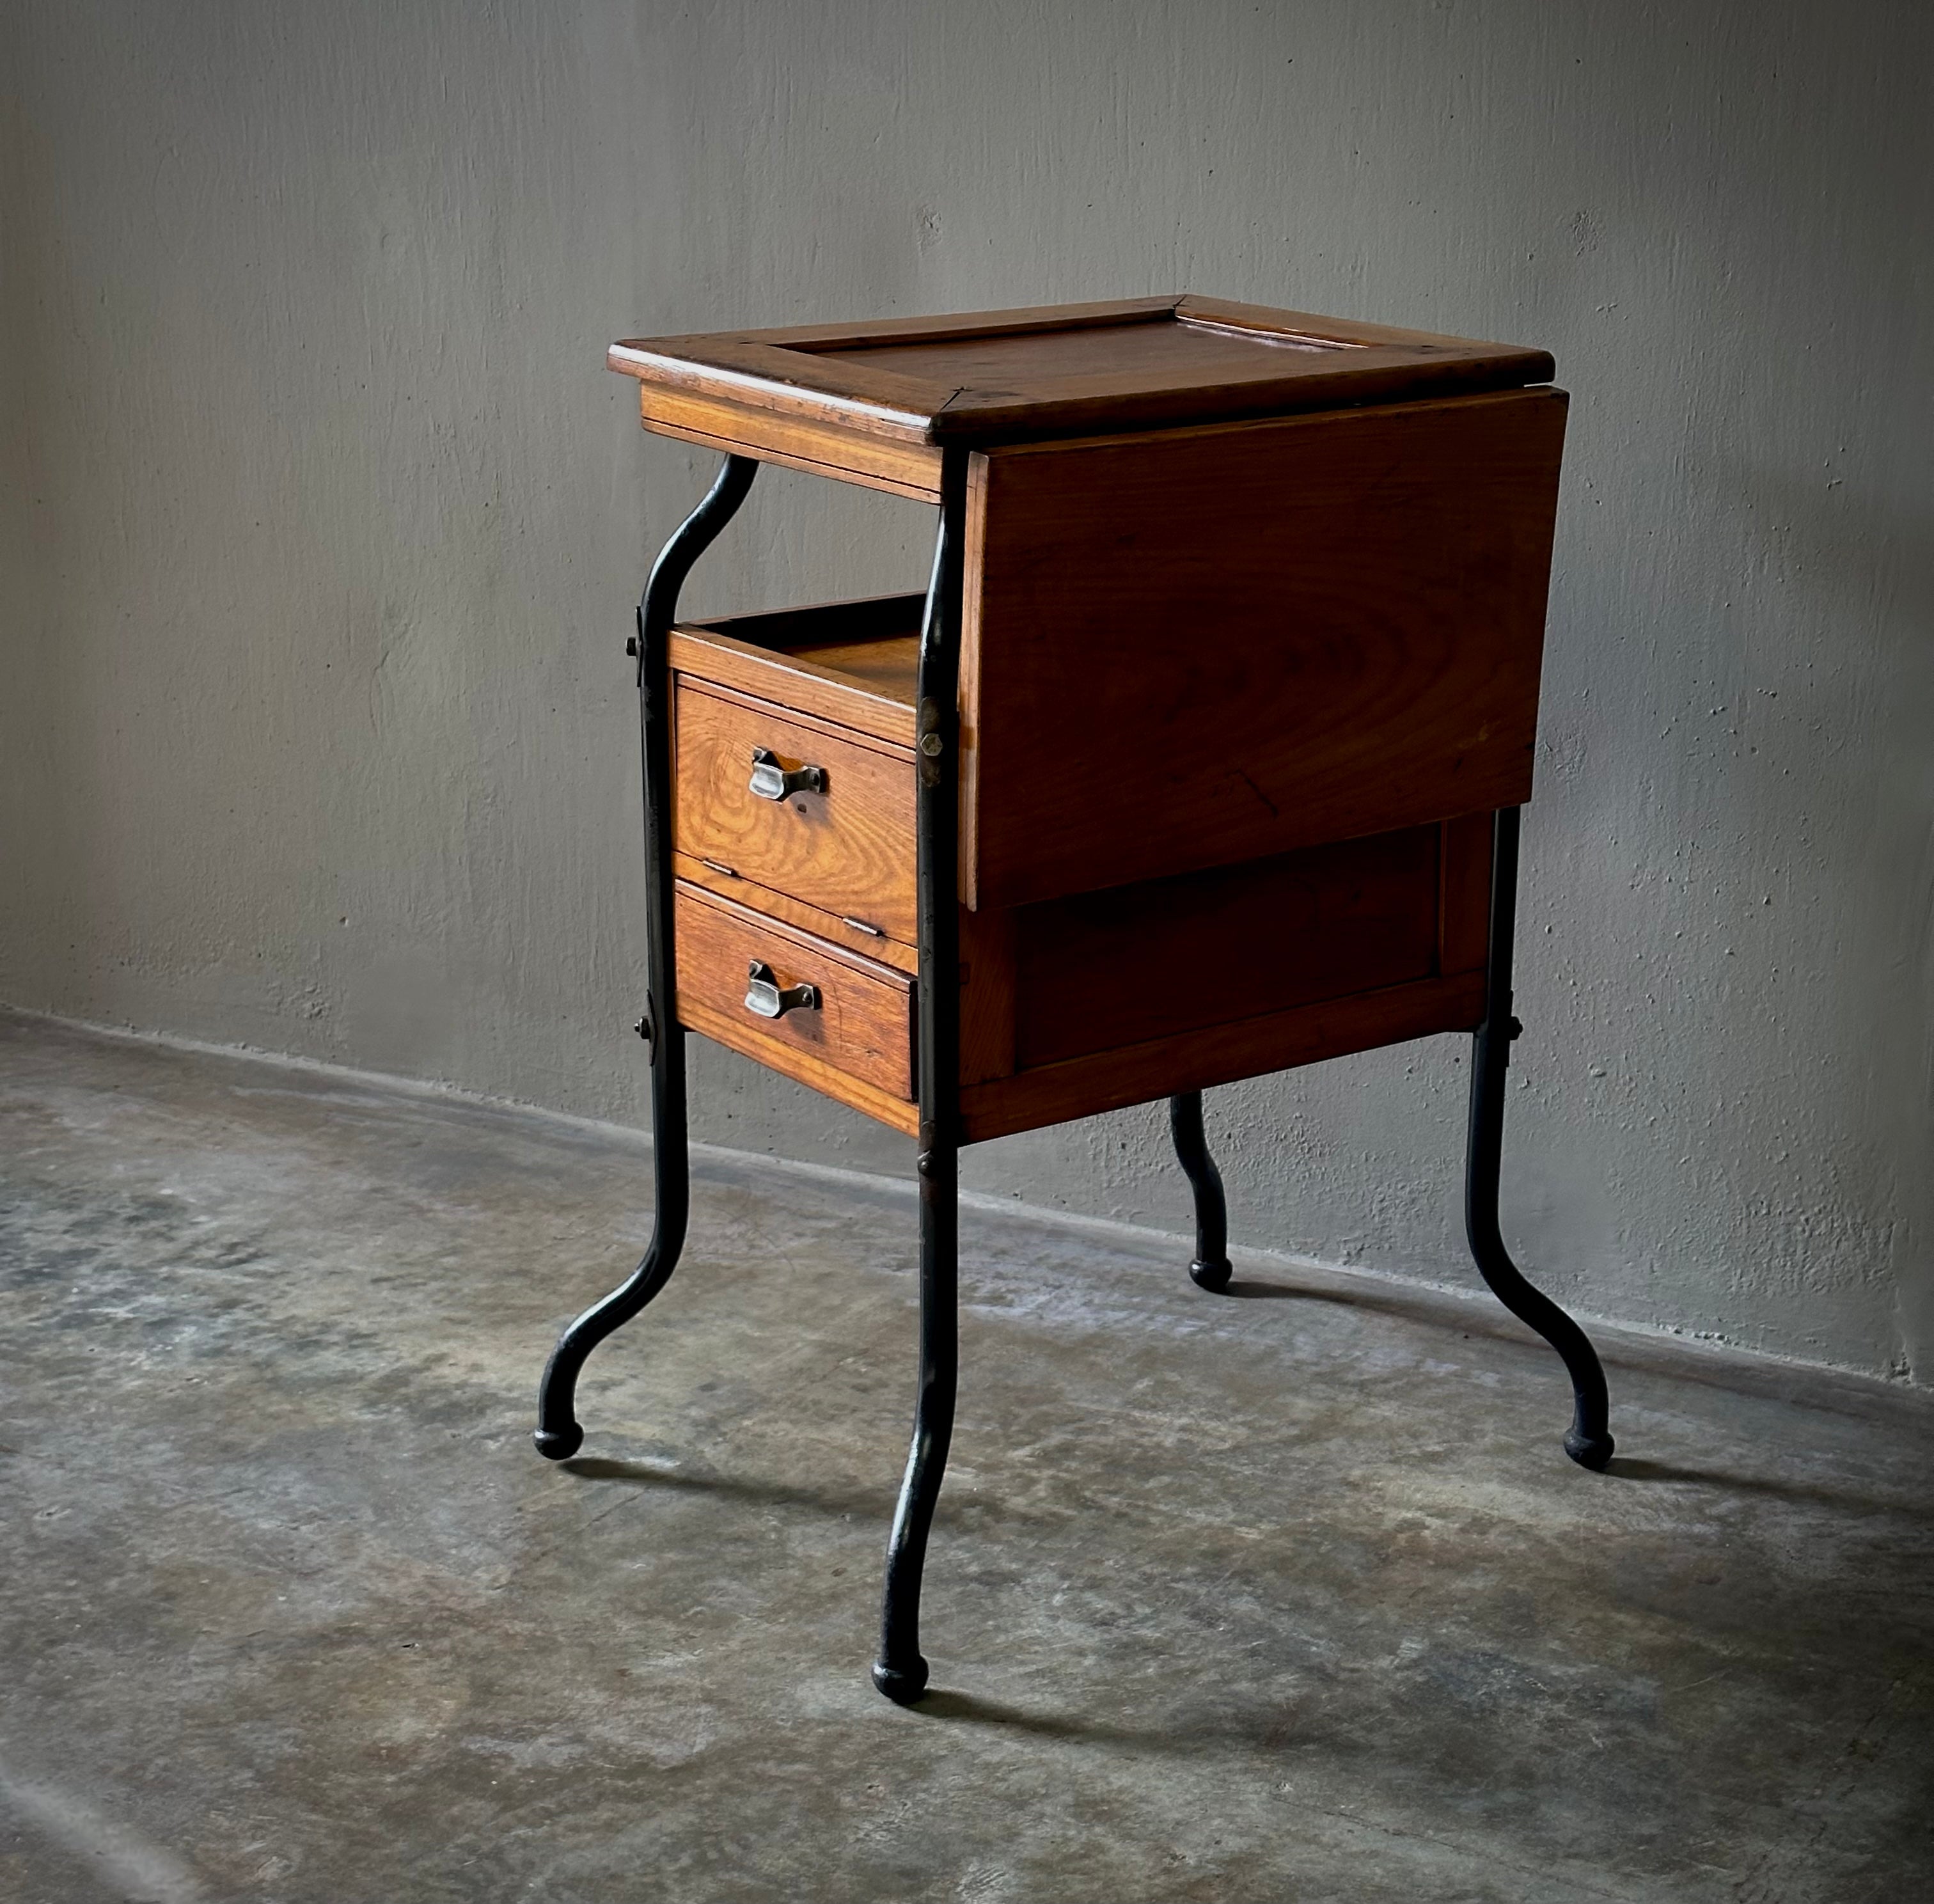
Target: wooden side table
(1200, 757)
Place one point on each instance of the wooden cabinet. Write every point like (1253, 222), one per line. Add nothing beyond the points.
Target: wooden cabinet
(1200, 757)
(1229, 690)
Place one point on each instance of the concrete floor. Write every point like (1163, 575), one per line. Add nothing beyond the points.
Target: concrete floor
(1229, 1599)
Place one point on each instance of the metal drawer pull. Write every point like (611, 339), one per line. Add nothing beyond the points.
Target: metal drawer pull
(765, 994)
(771, 781)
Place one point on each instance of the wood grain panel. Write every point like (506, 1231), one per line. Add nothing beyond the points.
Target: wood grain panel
(848, 851)
(738, 428)
(1208, 646)
(1194, 1061)
(863, 1030)
(739, 368)
(1149, 961)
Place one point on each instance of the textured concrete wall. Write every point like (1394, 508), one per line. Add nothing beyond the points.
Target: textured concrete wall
(322, 520)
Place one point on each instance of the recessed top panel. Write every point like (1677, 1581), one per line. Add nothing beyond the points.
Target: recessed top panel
(1070, 369)
(1165, 350)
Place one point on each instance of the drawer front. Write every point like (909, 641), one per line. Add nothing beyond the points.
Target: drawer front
(842, 838)
(860, 1024)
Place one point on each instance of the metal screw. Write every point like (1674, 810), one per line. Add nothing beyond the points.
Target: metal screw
(931, 745)
(631, 645)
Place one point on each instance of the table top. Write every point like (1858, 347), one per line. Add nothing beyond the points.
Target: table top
(996, 376)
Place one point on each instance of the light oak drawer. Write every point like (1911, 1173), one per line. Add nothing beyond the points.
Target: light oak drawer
(859, 1024)
(843, 841)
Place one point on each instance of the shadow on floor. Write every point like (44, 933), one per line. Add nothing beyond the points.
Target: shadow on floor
(964, 1708)
(1500, 1327)
(876, 1506)
(1625, 1467)
(1494, 1323)
(1228, 1722)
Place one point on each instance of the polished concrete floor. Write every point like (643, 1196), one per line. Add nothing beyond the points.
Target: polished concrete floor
(1288, 1595)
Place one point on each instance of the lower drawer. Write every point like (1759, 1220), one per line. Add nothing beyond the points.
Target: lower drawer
(837, 1016)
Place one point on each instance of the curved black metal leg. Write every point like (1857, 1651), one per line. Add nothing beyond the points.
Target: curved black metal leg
(900, 1672)
(1588, 1440)
(557, 1433)
(1210, 1268)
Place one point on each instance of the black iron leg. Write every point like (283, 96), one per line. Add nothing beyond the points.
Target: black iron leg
(900, 1672)
(1210, 1268)
(557, 1433)
(1588, 1442)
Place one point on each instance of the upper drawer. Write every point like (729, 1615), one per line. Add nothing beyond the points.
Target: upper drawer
(839, 836)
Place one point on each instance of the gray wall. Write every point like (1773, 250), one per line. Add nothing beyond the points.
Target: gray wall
(322, 520)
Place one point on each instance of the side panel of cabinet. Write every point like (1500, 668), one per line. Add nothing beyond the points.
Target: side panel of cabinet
(1206, 646)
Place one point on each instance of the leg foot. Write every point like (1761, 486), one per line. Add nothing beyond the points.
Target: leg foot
(1213, 1277)
(558, 1444)
(1210, 1269)
(902, 1685)
(1592, 1451)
